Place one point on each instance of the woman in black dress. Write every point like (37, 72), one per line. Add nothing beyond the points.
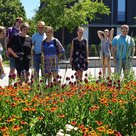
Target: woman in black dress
(79, 54)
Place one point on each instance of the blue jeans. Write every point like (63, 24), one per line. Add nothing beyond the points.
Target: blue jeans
(37, 62)
(125, 64)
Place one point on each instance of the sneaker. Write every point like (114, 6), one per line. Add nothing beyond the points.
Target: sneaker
(2, 76)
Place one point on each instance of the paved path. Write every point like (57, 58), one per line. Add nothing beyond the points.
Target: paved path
(93, 71)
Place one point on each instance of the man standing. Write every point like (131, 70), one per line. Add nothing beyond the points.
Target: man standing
(10, 32)
(123, 48)
(37, 40)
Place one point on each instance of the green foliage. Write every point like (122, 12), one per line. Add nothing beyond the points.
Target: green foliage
(101, 107)
(9, 11)
(70, 13)
(32, 26)
(93, 50)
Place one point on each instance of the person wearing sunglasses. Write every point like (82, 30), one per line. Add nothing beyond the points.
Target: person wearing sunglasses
(106, 37)
(37, 40)
(123, 49)
(11, 31)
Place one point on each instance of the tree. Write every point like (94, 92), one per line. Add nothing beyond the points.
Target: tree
(69, 13)
(9, 11)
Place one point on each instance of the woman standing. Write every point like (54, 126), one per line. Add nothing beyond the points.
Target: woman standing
(20, 48)
(79, 54)
(52, 50)
(106, 37)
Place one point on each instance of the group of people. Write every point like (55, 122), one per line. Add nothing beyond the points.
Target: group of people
(20, 48)
(122, 48)
(47, 50)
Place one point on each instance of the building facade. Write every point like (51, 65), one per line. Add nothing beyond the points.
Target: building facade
(122, 12)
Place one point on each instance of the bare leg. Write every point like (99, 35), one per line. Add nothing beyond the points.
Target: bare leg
(79, 74)
(103, 67)
(1, 67)
(107, 63)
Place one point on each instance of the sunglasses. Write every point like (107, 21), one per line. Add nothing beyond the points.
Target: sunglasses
(19, 21)
(106, 31)
(124, 31)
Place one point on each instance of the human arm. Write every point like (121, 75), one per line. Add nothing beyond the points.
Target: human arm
(133, 48)
(111, 34)
(6, 44)
(12, 52)
(10, 45)
(60, 49)
(87, 51)
(100, 34)
(113, 49)
(71, 52)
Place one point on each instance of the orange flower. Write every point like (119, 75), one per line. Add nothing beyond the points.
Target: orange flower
(93, 133)
(26, 109)
(40, 117)
(101, 129)
(53, 109)
(73, 123)
(110, 131)
(85, 130)
(6, 134)
(4, 128)
(110, 112)
(61, 116)
(99, 123)
(12, 119)
(33, 109)
(81, 126)
(16, 128)
(23, 122)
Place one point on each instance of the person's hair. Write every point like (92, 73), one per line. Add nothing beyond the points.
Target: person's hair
(49, 28)
(19, 18)
(106, 30)
(124, 26)
(2, 28)
(80, 28)
(24, 25)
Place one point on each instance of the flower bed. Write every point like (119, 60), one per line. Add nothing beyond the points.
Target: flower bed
(90, 108)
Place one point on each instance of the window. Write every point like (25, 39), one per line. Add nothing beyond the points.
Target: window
(121, 10)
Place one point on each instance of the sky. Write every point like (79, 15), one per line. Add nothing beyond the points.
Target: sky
(30, 7)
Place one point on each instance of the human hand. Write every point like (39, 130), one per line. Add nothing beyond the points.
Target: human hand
(15, 55)
(7, 54)
(71, 60)
(88, 61)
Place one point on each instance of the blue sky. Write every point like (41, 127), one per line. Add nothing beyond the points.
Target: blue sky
(30, 7)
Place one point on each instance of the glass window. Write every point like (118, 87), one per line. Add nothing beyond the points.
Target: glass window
(121, 10)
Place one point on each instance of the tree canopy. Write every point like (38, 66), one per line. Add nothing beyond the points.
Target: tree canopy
(9, 10)
(70, 13)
